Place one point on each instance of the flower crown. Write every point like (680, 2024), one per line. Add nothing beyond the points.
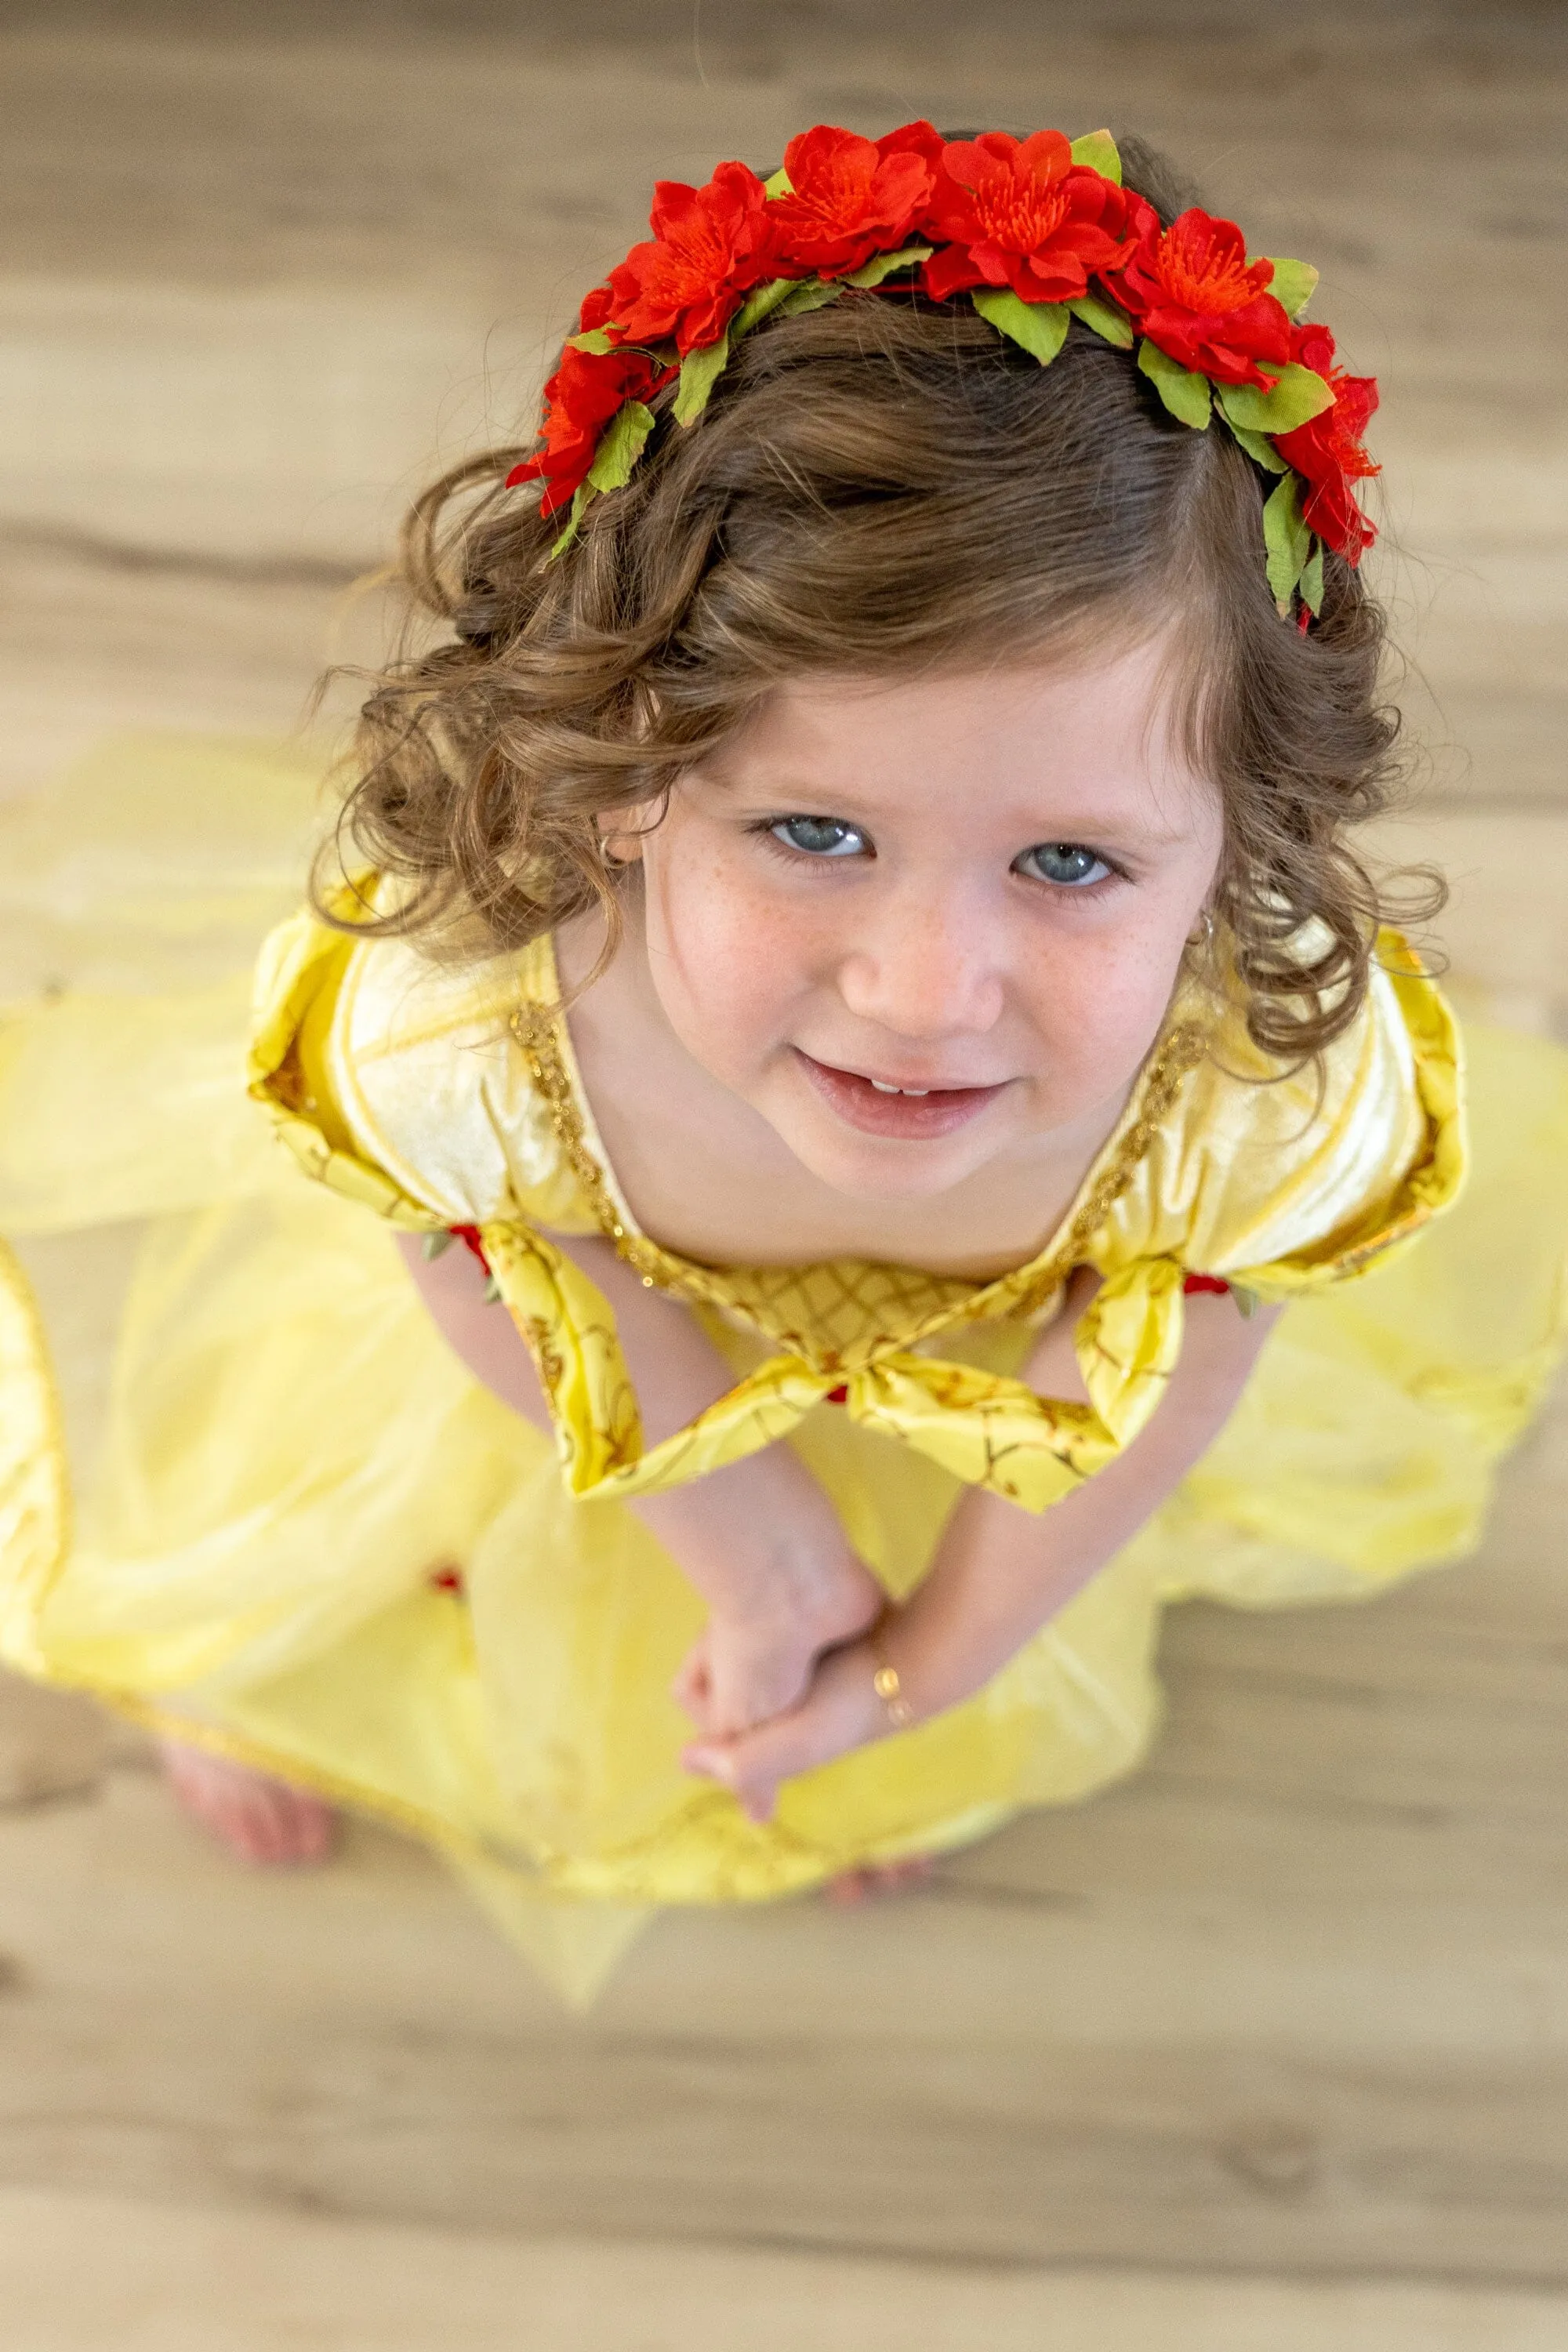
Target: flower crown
(1036, 232)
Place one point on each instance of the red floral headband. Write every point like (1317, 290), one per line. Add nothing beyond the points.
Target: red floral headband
(1036, 232)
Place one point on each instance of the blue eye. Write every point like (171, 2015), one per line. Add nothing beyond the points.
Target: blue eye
(1066, 863)
(819, 836)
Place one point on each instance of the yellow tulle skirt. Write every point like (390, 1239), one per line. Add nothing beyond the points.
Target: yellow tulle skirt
(311, 1540)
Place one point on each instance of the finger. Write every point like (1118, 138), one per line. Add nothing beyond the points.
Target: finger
(840, 1711)
(749, 1695)
(689, 1688)
(754, 1763)
(717, 1761)
(692, 1687)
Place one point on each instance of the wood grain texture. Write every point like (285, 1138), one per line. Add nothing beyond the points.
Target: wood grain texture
(169, 2279)
(1268, 2046)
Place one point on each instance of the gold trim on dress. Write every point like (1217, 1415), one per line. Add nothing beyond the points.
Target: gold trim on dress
(537, 1027)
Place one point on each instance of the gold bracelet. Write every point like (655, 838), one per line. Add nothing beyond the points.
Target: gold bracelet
(885, 1682)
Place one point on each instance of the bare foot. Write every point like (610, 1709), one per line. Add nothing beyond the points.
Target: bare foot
(261, 1819)
(874, 1878)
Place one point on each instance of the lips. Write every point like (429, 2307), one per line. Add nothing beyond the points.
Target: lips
(907, 1114)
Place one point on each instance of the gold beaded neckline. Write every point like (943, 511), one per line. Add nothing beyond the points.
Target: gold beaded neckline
(842, 1310)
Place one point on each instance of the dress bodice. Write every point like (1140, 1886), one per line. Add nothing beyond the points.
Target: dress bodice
(442, 1097)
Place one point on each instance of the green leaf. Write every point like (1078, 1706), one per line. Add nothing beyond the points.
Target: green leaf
(581, 499)
(1258, 447)
(1298, 395)
(435, 1246)
(621, 447)
(882, 265)
(781, 184)
(810, 294)
(1040, 327)
(1292, 284)
(787, 296)
(699, 371)
(1312, 579)
(1185, 393)
(1287, 539)
(1113, 325)
(616, 455)
(595, 341)
(1098, 149)
(759, 303)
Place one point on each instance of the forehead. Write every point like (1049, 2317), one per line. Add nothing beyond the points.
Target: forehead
(1087, 735)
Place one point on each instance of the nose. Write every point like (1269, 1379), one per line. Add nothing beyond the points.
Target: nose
(925, 967)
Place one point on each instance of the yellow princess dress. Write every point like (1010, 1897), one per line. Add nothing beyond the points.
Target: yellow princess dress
(316, 1543)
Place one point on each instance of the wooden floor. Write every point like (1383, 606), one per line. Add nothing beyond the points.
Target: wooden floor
(1267, 2050)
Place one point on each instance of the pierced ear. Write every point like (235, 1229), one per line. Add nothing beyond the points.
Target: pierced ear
(623, 831)
(620, 845)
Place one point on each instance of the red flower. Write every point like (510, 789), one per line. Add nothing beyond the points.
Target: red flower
(1190, 289)
(598, 309)
(850, 198)
(710, 246)
(580, 399)
(1021, 212)
(1327, 450)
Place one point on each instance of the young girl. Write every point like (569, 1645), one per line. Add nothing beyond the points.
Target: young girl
(851, 927)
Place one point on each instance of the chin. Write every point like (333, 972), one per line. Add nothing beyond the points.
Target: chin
(863, 1167)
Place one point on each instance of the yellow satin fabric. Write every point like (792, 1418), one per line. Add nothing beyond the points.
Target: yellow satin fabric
(419, 1094)
(33, 1503)
(293, 1457)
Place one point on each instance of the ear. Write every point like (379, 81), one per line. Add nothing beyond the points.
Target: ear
(623, 831)
(620, 838)
(619, 845)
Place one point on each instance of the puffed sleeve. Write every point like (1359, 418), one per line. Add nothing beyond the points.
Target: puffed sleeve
(398, 1082)
(1287, 1182)
(1279, 1181)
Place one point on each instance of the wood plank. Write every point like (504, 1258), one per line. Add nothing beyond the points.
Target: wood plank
(1208, 2075)
(257, 352)
(172, 2279)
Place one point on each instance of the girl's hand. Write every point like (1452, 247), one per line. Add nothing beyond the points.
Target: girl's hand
(999, 1574)
(839, 1711)
(745, 1668)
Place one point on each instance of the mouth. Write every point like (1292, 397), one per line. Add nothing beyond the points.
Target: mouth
(910, 1114)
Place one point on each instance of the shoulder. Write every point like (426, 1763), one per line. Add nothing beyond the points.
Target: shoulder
(1288, 1178)
(399, 1081)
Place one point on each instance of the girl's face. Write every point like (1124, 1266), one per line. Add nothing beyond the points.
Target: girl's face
(922, 925)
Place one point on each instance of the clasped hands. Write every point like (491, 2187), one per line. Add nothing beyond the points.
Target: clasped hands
(773, 1694)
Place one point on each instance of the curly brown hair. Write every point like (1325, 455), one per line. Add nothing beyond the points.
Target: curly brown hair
(882, 485)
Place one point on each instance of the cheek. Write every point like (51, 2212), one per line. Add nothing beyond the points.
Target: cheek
(1097, 993)
(728, 960)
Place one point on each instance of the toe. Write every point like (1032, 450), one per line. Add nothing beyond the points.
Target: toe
(313, 1829)
(262, 1820)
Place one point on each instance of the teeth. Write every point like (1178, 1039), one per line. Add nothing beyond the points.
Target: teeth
(881, 1089)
